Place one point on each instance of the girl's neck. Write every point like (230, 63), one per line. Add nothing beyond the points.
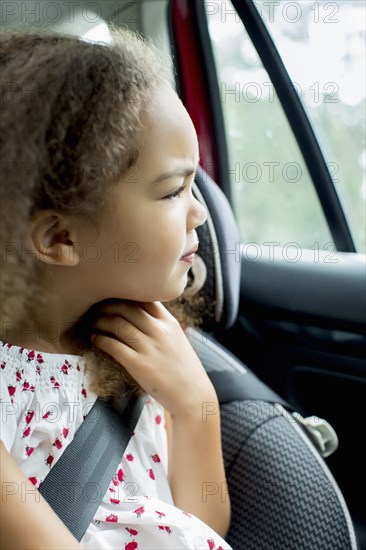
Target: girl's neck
(52, 331)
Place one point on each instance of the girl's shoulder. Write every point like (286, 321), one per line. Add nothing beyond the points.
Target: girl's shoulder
(27, 368)
(38, 392)
(46, 394)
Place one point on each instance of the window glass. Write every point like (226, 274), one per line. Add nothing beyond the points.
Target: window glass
(273, 196)
(323, 47)
(98, 34)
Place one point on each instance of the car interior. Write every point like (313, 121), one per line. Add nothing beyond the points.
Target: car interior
(285, 341)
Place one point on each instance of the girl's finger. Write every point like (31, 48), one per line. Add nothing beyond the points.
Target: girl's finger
(133, 313)
(155, 309)
(120, 329)
(121, 352)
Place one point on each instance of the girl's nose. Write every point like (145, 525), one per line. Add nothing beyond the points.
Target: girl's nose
(197, 214)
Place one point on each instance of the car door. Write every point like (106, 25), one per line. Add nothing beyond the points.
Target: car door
(276, 93)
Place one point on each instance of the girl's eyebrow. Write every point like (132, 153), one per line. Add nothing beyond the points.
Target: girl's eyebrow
(184, 172)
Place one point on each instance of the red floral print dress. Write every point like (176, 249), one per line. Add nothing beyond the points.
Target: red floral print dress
(44, 398)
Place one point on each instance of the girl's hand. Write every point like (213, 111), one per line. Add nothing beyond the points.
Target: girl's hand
(150, 343)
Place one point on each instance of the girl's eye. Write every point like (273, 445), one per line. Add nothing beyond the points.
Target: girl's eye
(176, 193)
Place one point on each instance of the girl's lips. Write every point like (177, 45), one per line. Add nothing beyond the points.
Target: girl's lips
(188, 259)
(190, 252)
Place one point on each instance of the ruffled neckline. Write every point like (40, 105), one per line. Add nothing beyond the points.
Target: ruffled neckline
(31, 354)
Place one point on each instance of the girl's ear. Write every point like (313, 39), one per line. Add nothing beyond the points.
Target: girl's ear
(53, 239)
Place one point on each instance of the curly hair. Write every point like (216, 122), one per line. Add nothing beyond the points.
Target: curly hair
(68, 127)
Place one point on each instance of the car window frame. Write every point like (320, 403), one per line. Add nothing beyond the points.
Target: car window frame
(193, 15)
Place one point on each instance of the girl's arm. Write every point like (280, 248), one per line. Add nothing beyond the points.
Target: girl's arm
(27, 522)
(196, 471)
(150, 343)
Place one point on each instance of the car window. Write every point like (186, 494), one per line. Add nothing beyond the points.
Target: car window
(322, 46)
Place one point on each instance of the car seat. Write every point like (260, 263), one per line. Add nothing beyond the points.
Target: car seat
(282, 493)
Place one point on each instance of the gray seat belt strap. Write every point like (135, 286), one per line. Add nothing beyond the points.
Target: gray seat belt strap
(80, 478)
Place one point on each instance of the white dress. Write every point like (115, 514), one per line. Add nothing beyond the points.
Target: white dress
(44, 399)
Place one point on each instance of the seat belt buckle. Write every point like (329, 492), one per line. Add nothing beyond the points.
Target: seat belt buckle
(321, 433)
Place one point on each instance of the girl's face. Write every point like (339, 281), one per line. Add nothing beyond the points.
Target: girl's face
(135, 252)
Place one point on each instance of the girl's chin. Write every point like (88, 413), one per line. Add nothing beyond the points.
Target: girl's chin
(168, 292)
(176, 293)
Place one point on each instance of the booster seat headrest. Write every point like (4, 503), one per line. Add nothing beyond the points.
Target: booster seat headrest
(216, 269)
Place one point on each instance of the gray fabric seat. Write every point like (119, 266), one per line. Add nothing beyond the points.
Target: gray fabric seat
(283, 495)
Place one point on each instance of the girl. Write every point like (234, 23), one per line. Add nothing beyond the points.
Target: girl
(97, 217)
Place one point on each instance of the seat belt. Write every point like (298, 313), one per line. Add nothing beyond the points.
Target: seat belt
(78, 481)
